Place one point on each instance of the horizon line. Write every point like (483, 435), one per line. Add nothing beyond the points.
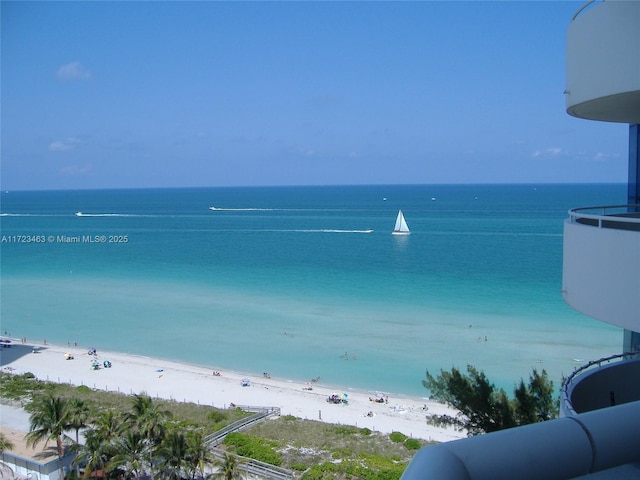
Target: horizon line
(6, 191)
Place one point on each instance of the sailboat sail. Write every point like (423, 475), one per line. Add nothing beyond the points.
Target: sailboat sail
(401, 227)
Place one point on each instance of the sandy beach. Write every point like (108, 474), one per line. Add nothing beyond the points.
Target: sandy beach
(222, 389)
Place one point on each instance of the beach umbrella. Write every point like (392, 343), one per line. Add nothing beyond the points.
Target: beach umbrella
(344, 395)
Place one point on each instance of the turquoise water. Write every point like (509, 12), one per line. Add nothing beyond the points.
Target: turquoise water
(306, 282)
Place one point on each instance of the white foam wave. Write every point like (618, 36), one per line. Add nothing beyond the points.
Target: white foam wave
(218, 209)
(81, 214)
(333, 230)
(256, 209)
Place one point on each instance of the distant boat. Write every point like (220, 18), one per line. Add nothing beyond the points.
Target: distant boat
(79, 214)
(401, 227)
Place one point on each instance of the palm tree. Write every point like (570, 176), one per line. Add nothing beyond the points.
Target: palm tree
(148, 418)
(198, 453)
(48, 421)
(172, 454)
(94, 454)
(108, 425)
(228, 467)
(131, 454)
(98, 449)
(77, 415)
(5, 443)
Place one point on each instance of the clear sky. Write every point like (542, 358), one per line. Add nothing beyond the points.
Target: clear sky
(179, 94)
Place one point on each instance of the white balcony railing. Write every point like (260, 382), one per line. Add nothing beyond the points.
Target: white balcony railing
(623, 217)
(600, 384)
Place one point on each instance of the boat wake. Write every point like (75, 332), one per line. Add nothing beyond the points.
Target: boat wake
(333, 230)
(80, 214)
(217, 209)
(256, 209)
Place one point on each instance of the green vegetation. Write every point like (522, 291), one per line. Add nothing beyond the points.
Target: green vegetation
(412, 444)
(488, 409)
(5, 443)
(336, 451)
(134, 435)
(397, 437)
(254, 447)
(228, 467)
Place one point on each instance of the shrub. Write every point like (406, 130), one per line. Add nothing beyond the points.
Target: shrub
(341, 453)
(314, 473)
(299, 467)
(412, 444)
(397, 437)
(217, 416)
(345, 430)
(254, 447)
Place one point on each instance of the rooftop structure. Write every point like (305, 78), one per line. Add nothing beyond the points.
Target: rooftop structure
(598, 436)
(26, 462)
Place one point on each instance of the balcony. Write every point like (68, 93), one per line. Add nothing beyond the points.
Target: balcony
(601, 384)
(601, 269)
(603, 65)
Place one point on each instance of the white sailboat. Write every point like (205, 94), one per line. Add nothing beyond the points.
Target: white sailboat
(401, 227)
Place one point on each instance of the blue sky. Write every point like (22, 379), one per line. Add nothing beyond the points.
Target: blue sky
(179, 94)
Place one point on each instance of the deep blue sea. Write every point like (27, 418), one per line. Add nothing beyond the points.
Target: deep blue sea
(306, 282)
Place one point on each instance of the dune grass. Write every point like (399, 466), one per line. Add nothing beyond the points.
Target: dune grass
(313, 449)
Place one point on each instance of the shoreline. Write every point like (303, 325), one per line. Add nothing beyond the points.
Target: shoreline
(172, 380)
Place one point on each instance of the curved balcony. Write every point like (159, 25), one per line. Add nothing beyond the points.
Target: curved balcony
(602, 62)
(601, 384)
(601, 264)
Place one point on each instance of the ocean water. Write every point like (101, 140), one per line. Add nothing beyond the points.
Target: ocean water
(306, 282)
